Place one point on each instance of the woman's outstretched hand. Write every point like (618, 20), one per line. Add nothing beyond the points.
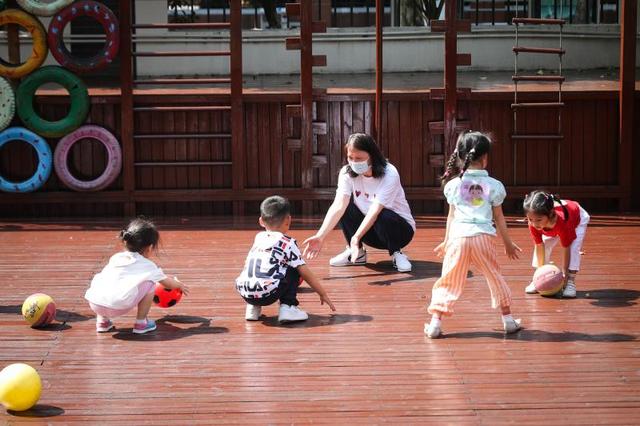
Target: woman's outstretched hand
(312, 247)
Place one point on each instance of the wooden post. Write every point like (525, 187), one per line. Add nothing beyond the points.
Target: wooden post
(450, 76)
(306, 92)
(126, 106)
(628, 25)
(237, 109)
(13, 38)
(377, 131)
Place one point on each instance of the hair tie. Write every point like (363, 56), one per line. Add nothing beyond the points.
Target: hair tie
(473, 151)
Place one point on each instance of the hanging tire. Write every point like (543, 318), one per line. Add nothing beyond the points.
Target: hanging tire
(7, 103)
(43, 170)
(114, 158)
(39, 43)
(94, 10)
(79, 101)
(40, 8)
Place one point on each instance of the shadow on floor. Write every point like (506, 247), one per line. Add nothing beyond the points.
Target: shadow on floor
(167, 331)
(38, 410)
(421, 270)
(611, 297)
(316, 320)
(530, 335)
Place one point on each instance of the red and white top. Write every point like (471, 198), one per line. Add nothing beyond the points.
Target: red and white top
(565, 229)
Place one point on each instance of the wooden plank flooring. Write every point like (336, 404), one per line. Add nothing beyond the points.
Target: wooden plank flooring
(576, 362)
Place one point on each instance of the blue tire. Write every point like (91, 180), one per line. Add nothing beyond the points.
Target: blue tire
(45, 161)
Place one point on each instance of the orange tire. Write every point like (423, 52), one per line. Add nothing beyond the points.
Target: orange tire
(39, 36)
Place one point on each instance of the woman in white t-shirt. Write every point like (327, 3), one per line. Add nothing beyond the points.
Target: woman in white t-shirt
(129, 279)
(371, 207)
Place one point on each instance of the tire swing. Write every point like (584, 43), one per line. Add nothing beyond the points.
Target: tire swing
(43, 171)
(114, 161)
(79, 101)
(39, 37)
(40, 8)
(7, 103)
(94, 10)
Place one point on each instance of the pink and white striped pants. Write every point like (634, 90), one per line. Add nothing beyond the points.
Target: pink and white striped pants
(460, 253)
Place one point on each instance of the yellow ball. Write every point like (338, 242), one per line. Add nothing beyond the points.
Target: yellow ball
(39, 310)
(20, 387)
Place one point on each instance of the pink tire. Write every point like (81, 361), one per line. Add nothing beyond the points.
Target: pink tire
(114, 160)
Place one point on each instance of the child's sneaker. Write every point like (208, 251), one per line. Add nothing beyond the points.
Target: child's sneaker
(344, 258)
(290, 313)
(432, 332)
(104, 326)
(145, 327)
(401, 262)
(511, 325)
(530, 289)
(569, 290)
(252, 313)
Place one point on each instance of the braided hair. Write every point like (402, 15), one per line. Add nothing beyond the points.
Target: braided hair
(139, 234)
(470, 147)
(542, 203)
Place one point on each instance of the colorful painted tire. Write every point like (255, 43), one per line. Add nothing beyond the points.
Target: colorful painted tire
(39, 40)
(79, 101)
(43, 170)
(7, 103)
(114, 161)
(41, 8)
(100, 13)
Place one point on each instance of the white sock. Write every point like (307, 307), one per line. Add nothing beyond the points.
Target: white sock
(507, 318)
(435, 322)
(142, 321)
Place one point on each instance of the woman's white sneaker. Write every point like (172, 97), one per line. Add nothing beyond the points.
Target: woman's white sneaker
(252, 313)
(530, 289)
(401, 262)
(290, 313)
(344, 258)
(569, 290)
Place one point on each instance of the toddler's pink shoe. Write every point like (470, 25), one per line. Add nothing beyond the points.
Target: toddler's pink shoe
(104, 326)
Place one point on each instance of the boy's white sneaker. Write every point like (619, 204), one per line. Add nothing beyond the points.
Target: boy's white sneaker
(569, 290)
(252, 313)
(344, 258)
(511, 326)
(401, 262)
(290, 313)
(530, 289)
(432, 332)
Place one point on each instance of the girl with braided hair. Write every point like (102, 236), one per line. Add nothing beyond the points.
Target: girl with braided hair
(475, 203)
(551, 220)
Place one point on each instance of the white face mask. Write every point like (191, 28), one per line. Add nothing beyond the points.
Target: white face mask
(359, 167)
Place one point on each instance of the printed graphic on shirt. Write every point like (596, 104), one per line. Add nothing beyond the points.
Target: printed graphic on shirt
(267, 264)
(474, 193)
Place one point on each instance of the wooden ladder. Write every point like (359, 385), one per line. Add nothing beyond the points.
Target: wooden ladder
(133, 103)
(449, 128)
(304, 111)
(518, 105)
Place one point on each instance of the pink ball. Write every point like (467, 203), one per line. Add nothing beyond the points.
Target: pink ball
(548, 280)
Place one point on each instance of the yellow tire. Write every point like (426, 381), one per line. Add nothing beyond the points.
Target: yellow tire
(39, 36)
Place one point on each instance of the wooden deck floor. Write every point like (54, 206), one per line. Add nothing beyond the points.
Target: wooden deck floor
(576, 362)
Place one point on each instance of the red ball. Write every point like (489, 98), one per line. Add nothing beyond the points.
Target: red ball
(548, 280)
(166, 297)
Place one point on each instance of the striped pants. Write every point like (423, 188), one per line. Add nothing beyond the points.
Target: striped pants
(460, 252)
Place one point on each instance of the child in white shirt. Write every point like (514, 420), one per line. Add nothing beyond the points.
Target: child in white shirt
(274, 267)
(129, 279)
